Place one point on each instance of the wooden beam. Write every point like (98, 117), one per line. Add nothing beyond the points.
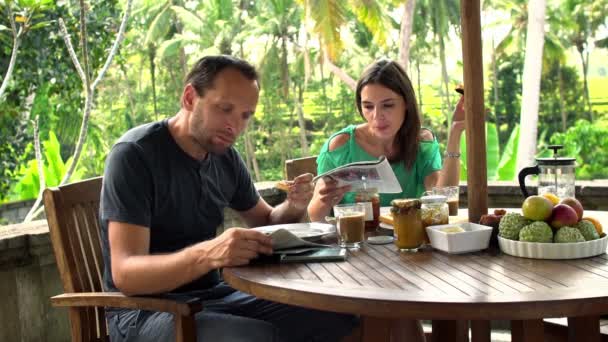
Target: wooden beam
(477, 179)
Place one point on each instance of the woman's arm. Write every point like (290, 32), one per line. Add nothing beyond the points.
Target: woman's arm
(450, 174)
(326, 192)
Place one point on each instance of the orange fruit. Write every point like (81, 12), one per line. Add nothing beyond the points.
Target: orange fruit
(596, 223)
(551, 197)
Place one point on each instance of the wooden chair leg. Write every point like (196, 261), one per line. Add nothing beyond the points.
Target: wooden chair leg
(527, 331)
(185, 328)
(584, 329)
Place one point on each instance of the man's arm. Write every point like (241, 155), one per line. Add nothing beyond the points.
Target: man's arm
(135, 271)
(291, 210)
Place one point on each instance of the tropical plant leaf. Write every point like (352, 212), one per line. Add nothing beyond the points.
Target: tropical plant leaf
(492, 153)
(371, 14)
(159, 26)
(492, 150)
(170, 48)
(54, 165)
(190, 20)
(507, 168)
(463, 156)
(329, 16)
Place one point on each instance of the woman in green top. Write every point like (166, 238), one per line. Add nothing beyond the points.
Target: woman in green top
(385, 99)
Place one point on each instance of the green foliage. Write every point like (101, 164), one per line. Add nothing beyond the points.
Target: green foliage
(54, 168)
(51, 83)
(492, 152)
(504, 95)
(586, 142)
(561, 92)
(165, 37)
(507, 167)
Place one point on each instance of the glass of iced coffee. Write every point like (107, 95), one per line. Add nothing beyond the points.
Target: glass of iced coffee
(350, 222)
(452, 193)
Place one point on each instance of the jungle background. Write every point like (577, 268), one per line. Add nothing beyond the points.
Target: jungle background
(309, 53)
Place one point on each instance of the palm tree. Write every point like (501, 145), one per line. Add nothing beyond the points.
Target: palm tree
(581, 19)
(443, 14)
(405, 32)
(328, 17)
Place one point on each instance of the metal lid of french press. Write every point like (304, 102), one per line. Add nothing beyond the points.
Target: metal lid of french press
(555, 160)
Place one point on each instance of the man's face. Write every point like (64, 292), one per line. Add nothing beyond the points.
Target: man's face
(221, 115)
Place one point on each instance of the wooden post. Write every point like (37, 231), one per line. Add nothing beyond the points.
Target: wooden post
(477, 180)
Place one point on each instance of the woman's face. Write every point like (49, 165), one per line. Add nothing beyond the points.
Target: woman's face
(383, 109)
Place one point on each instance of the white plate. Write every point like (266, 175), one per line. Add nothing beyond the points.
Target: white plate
(537, 250)
(386, 226)
(380, 240)
(308, 231)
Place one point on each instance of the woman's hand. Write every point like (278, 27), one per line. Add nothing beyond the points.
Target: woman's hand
(458, 116)
(325, 196)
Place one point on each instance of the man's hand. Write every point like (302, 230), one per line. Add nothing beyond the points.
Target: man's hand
(300, 191)
(234, 247)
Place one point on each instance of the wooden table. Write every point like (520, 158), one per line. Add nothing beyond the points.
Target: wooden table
(380, 282)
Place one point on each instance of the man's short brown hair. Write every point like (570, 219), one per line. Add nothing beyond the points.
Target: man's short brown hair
(203, 73)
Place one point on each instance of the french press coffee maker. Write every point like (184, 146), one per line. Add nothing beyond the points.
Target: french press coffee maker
(555, 175)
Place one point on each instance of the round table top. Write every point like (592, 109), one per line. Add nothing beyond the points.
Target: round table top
(380, 281)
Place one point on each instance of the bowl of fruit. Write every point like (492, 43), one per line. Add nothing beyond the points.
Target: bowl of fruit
(551, 229)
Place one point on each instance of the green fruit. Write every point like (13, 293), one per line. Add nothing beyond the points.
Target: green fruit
(538, 231)
(511, 224)
(568, 234)
(537, 208)
(587, 229)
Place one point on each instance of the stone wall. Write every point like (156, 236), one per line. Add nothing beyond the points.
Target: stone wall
(15, 211)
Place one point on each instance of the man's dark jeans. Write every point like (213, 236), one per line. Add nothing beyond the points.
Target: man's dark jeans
(230, 315)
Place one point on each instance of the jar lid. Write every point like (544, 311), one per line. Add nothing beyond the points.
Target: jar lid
(433, 199)
(403, 205)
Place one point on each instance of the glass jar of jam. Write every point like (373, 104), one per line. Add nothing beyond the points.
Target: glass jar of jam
(370, 198)
(407, 223)
(435, 211)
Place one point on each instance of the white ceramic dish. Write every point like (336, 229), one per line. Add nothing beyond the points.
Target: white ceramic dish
(474, 238)
(537, 250)
(308, 231)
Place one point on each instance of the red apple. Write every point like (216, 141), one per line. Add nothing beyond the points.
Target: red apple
(563, 215)
(574, 204)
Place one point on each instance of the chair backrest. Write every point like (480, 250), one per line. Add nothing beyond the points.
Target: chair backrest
(296, 167)
(72, 213)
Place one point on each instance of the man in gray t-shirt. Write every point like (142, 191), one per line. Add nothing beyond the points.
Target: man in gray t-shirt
(165, 188)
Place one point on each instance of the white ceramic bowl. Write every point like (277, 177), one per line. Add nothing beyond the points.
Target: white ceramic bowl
(537, 250)
(474, 238)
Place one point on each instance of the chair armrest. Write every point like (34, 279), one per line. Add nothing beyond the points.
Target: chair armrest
(119, 300)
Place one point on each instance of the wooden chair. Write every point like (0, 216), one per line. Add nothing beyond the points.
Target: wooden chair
(296, 167)
(72, 214)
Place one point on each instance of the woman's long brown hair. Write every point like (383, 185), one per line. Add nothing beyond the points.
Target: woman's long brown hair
(391, 75)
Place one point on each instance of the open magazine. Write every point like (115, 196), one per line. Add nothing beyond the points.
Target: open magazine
(366, 174)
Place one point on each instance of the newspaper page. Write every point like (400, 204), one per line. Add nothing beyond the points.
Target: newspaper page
(284, 241)
(367, 174)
